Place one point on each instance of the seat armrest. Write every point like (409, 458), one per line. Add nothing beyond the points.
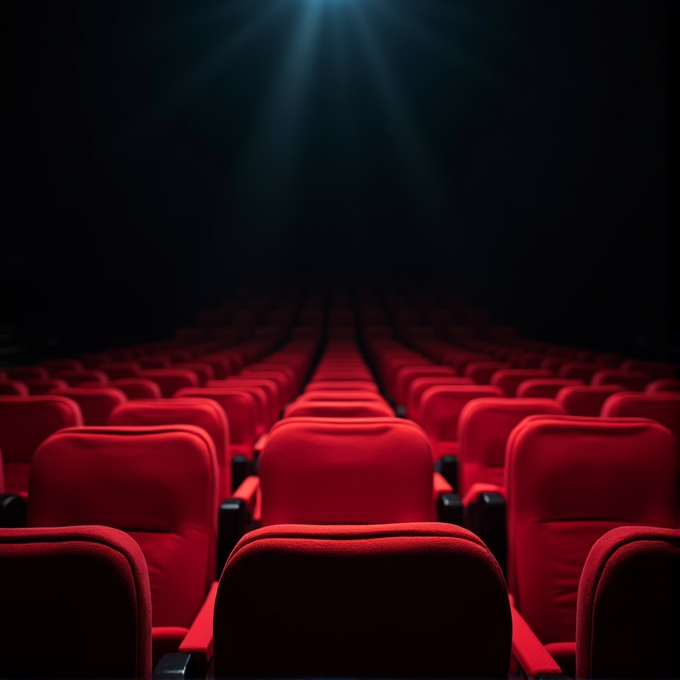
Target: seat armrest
(12, 511)
(199, 640)
(261, 443)
(528, 651)
(448, 467)
(400, 411)
(176, 666)
(247, 492)
(450, 509)
(485, 516)
(233, 523)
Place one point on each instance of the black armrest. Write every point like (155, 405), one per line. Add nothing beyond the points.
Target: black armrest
(241, 467)
(450, 509)
(447, 466)
(233, 523)
(486, 518)
(12, 511)
(400, 411)
(176, 666)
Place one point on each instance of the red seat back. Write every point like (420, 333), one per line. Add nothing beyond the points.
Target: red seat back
(339, 409)
(586, 400)
(96, 403)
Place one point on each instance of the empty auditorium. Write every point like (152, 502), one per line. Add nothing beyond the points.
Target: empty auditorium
(339, 339)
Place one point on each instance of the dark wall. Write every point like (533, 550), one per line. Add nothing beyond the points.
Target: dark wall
(155, 153)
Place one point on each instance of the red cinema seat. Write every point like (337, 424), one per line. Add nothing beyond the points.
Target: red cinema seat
(628, 611)
(664, 407)
(362, 601)
(118, 370)
(154, 362)
(569, 480)
(269, 408)
(420, 385)
(440, 408)
(544, 388)
(631, 380)
(75, 377)
(204, 372)
(23, 373)
(170, 380)
(137, 388)
(578, 370)
(76, 603)
(25, 422)
(481, 371)
(366, 385)
(159, 484)
(340, 395)
(407, 374)
(96, 403)
(509, 379)
(663, 385)
(339, 409)
(656, 369)
(13, 388)
(586, 400)
(38, 387)
(346, 471)
(203, 413)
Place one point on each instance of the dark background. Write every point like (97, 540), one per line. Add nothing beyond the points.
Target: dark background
(156, 153)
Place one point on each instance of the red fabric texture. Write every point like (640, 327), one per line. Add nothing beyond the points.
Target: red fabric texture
(38, 387)
(657, 369)
(629, 606)
(27, 373)
(663, 385)
(418, 387)
(273, 403)
(339, 409)
(159, 484)
(664, 407)
(76, 376)
(75, 603)
(586, 400)
(117, 370)
(509, 379)
(13, 388)
(367, 385)
(483, 430)
(440, 409)
(568, 481)
(241, 412)
(544, 388)
(631, 380)
(170, 380)
(26, 422)
(481, 371)
(532, 656)
(137, 388)
(96, 403)
(203, 413)
(199, 639)
(345, 471)
(579, 370)
(407, 374)
(362, 602)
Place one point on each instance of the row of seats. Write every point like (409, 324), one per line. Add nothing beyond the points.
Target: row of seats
(340, 458)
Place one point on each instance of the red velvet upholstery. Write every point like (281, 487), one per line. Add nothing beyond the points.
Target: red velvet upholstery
(407, 600)
(657, 369)
(204, 413)
(579, 370)
(345, 471)
(440, 408)
(481, 371)
(663, 385)
(628, 614)
(170, 380)
(204, 372)
(273, 402)
(117, 370)
(241, 412)
(585, 400)
(96, 403)
(406, 375)
(137, 388)
(342, 385)
(39, 386)
(25, 422)
(568, 481)
(418, 387)
(509, 379)
(664, 407)
(483, 430)
(13, 388)
(76, 376)
(339, 409)
(159, 484)
(75, 603)
(631, 380)
(340, 395)
(544, 388)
